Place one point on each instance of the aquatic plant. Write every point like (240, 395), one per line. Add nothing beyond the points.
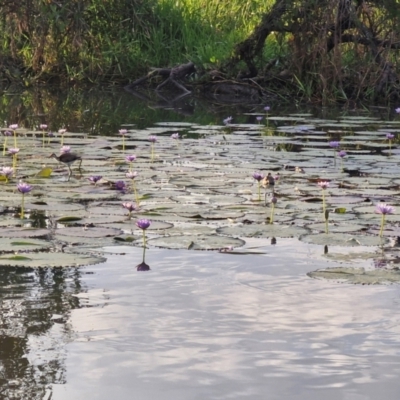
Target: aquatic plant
(143, 224)
(259, 119)
(152, 139)
(334, 144)
(62, 132)
(132, 175)
(49, 136)
(175, 136)
(14, 128)
(383, 209)
(323, 185)
(274, 200)
(6, 134)
(267, 109)
(130, 207)
(23, 188)
(227, 121)
(341, 154)
(94, 179)
(120, 185)
(390, 137)
(130, 159)
(7, 172)
(65, 149)
(123, 133)
(14, 152)
(258, 177)
(43, 128)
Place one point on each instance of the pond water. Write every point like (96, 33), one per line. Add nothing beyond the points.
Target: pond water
(281, 305)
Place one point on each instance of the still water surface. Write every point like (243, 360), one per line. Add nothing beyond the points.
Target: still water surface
(201, 325)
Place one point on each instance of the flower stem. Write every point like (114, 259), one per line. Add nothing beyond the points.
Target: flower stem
(271, 218)
(259, 191)
(15, 139)
(144, 243)
(123, 143)
(135, 191)
(382, 225)
(14, 165)
(4, 146)
(323, 202)
(22, 206)
(326, 215)
(152, 152)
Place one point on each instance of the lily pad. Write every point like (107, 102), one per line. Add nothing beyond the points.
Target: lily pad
(264, 231)
(44, 259)
(196, 242)
(15, 244)
(340, 239)
(357, 275)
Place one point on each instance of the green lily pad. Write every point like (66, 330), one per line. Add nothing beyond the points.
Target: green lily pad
(262, 231)
(357, 275)
(340, 239)
(196, 242)
(89, 232)
(13, 244)
(44, 259)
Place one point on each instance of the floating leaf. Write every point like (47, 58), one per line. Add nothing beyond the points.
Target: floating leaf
(357, 275)
(200, 242)
(50, 260)
(45, 172)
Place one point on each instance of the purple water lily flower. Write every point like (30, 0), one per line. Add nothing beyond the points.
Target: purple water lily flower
(342, 153)
(323, 184)
(7, 133)
(131, 175)
(384, 209)
(259, 118)
(120, 185)
(24, 187)
(123, 132)
(227, 120)
(50, 134)
(62, 131)
(42, 126)
(7, 172)
(130, 158)
(13, 151)
(175, 136)
(258, 176)
(13, 127)
(152, 138)
(65, 149)
(94, 178)
(130, 207)
(143, 223)
(397, 110)
(267, 108)
(389, 136)
(334, 144)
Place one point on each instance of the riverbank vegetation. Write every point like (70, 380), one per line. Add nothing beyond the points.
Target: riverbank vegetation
(317, 50)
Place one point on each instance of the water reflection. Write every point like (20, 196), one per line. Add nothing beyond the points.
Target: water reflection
(143, 267)
(34, 308)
